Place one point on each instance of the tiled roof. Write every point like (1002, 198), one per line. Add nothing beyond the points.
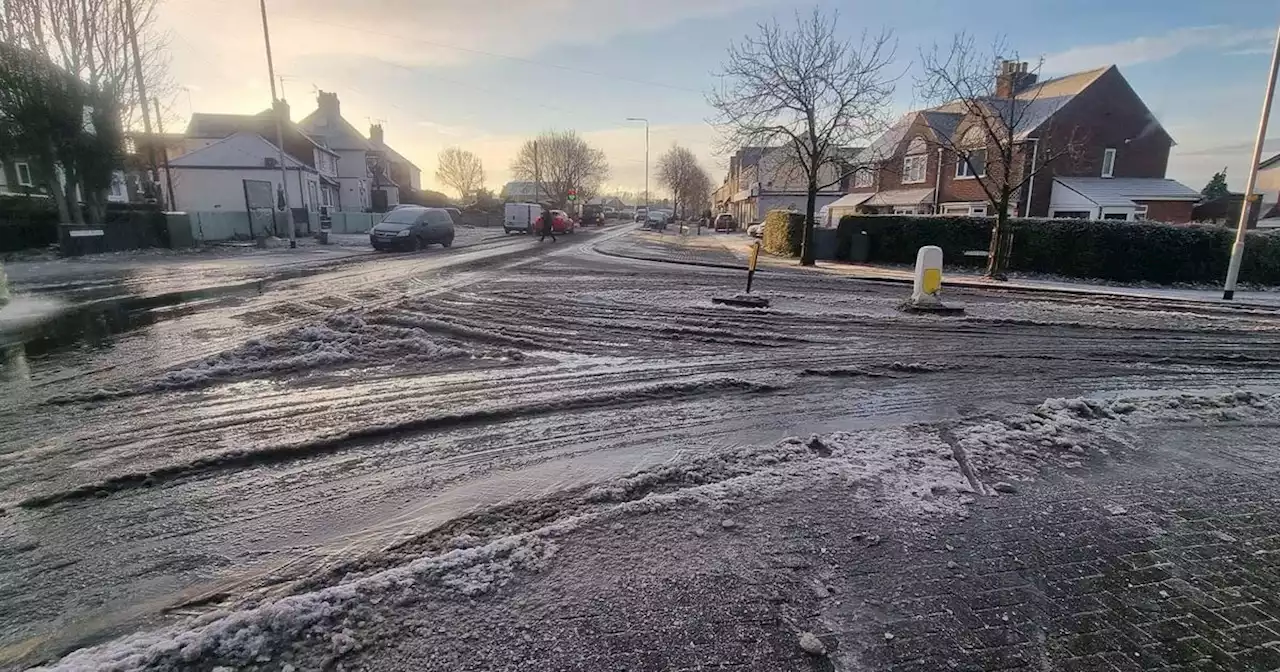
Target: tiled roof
(901, 197)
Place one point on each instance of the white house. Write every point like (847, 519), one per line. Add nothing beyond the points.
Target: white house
(357, 183)
(233, 173)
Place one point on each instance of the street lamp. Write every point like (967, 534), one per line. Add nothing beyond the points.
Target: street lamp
(646, 159)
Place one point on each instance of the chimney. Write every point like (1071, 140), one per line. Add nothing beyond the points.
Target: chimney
(328, 104)
(282, 109)
(1013, 79)
(375, 134)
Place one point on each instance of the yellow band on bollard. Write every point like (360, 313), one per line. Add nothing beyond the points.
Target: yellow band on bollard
(932, 280)
(753, 257)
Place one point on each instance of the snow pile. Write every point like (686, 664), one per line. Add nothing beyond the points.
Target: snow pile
(342, 339)
(1064, 432)
(331, 614)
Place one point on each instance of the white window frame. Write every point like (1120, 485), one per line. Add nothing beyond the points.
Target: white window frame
(18, 168)
(1057, 214)
(906, 210)
(963, 171)
(978, 210)
(1109, 162)
(910, 164)
(954, 210)
(863, 177)
(1140, 213)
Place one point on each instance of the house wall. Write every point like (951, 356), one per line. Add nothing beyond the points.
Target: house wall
(888, 174)
(1109, 113)
(213, 226)
(222, 189)
(1170, 212)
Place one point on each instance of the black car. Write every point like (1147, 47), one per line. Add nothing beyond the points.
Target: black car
(592, 214)
(412, 228)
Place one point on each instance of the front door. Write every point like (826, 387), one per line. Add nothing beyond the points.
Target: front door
(379, 197)
(259, 203)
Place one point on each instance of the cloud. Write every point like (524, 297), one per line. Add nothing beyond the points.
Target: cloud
(1158, 48)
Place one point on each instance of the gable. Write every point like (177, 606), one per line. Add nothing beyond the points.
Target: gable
(236, 151)
(337, 134)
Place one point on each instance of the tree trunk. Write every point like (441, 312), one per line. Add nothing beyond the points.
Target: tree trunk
(806, 239)
(69, 183)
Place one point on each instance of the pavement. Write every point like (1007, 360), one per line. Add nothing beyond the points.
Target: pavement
(732, 249)
(563, 456)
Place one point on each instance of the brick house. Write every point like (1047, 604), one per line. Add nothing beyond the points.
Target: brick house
(1096, 150)
(761, 179)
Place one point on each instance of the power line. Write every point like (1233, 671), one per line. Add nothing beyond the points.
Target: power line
(518, 59)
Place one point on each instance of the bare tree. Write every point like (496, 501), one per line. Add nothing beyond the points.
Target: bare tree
(460, 170)
(679, 172)
(806, 89)
(1006, 136)
(564, 161)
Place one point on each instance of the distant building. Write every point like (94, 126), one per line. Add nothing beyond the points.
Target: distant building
(519, 191)
(1117, 170)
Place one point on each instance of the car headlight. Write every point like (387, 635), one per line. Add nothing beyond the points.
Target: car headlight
(403, 233)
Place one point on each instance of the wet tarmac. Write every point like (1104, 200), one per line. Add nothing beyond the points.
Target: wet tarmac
(168, 452)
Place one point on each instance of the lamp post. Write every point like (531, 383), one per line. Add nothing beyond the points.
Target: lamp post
(276, 110)
(646, 159)
(1237, 250)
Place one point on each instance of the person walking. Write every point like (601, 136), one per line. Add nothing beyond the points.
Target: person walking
(548, 218)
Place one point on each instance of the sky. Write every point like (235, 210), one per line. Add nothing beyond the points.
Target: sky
(486, 75)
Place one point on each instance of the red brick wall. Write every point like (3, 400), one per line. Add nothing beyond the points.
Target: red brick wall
(1171, 212)
(889, 174)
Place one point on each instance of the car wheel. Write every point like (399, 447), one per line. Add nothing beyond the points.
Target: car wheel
(448, 242)
(418, 244)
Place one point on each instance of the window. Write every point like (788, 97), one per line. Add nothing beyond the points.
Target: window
(24, 174)
(118, 190)
(913, 168)
(862, 177)
(1071, 214)
(1116, 215)
(313, 200)
(956, 210)
(978, 210)
(976, 166)
(327, 192)
(1108, 162)
(904, 210)
(1140, 213)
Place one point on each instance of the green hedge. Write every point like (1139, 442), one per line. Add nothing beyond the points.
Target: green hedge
(783, 233)
(1106, 250)
(27, 223)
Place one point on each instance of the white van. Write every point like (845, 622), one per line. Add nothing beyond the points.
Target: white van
(520, 217)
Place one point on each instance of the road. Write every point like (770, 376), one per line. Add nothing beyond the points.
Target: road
(228, 448)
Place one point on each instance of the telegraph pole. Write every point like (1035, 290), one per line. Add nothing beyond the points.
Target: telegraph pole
(168, 174)
(646, 159)
(142, 96)
(275, 112)
(1237, 250)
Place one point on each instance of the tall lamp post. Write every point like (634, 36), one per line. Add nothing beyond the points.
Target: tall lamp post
(1237, 250)
(276, 109)
(646, 159)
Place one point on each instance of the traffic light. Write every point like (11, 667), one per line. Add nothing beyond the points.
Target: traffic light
(573, 194)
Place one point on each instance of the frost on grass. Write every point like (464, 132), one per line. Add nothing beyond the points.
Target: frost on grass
(329, 617)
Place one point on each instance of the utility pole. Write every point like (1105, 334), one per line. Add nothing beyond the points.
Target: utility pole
(275, 112)
(537, 176)
(168, 174)
(1237, 250)
(142, 96)
(646, 159)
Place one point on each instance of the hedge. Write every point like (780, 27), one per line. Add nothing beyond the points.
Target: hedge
(1105, 250)
(783, 233)
(27, 223)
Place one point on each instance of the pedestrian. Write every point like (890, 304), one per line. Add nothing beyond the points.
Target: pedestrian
(548, 218)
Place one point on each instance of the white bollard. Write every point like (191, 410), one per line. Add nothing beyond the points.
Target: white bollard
(927, 283)
(928, 278)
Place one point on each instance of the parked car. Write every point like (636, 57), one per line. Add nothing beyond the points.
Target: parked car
(561, 222)
(593, 214)
(456, 214)
(412, 228)
(641, 214)
(756, 230)
(520, 217)
(656, 220)
(725, 222)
